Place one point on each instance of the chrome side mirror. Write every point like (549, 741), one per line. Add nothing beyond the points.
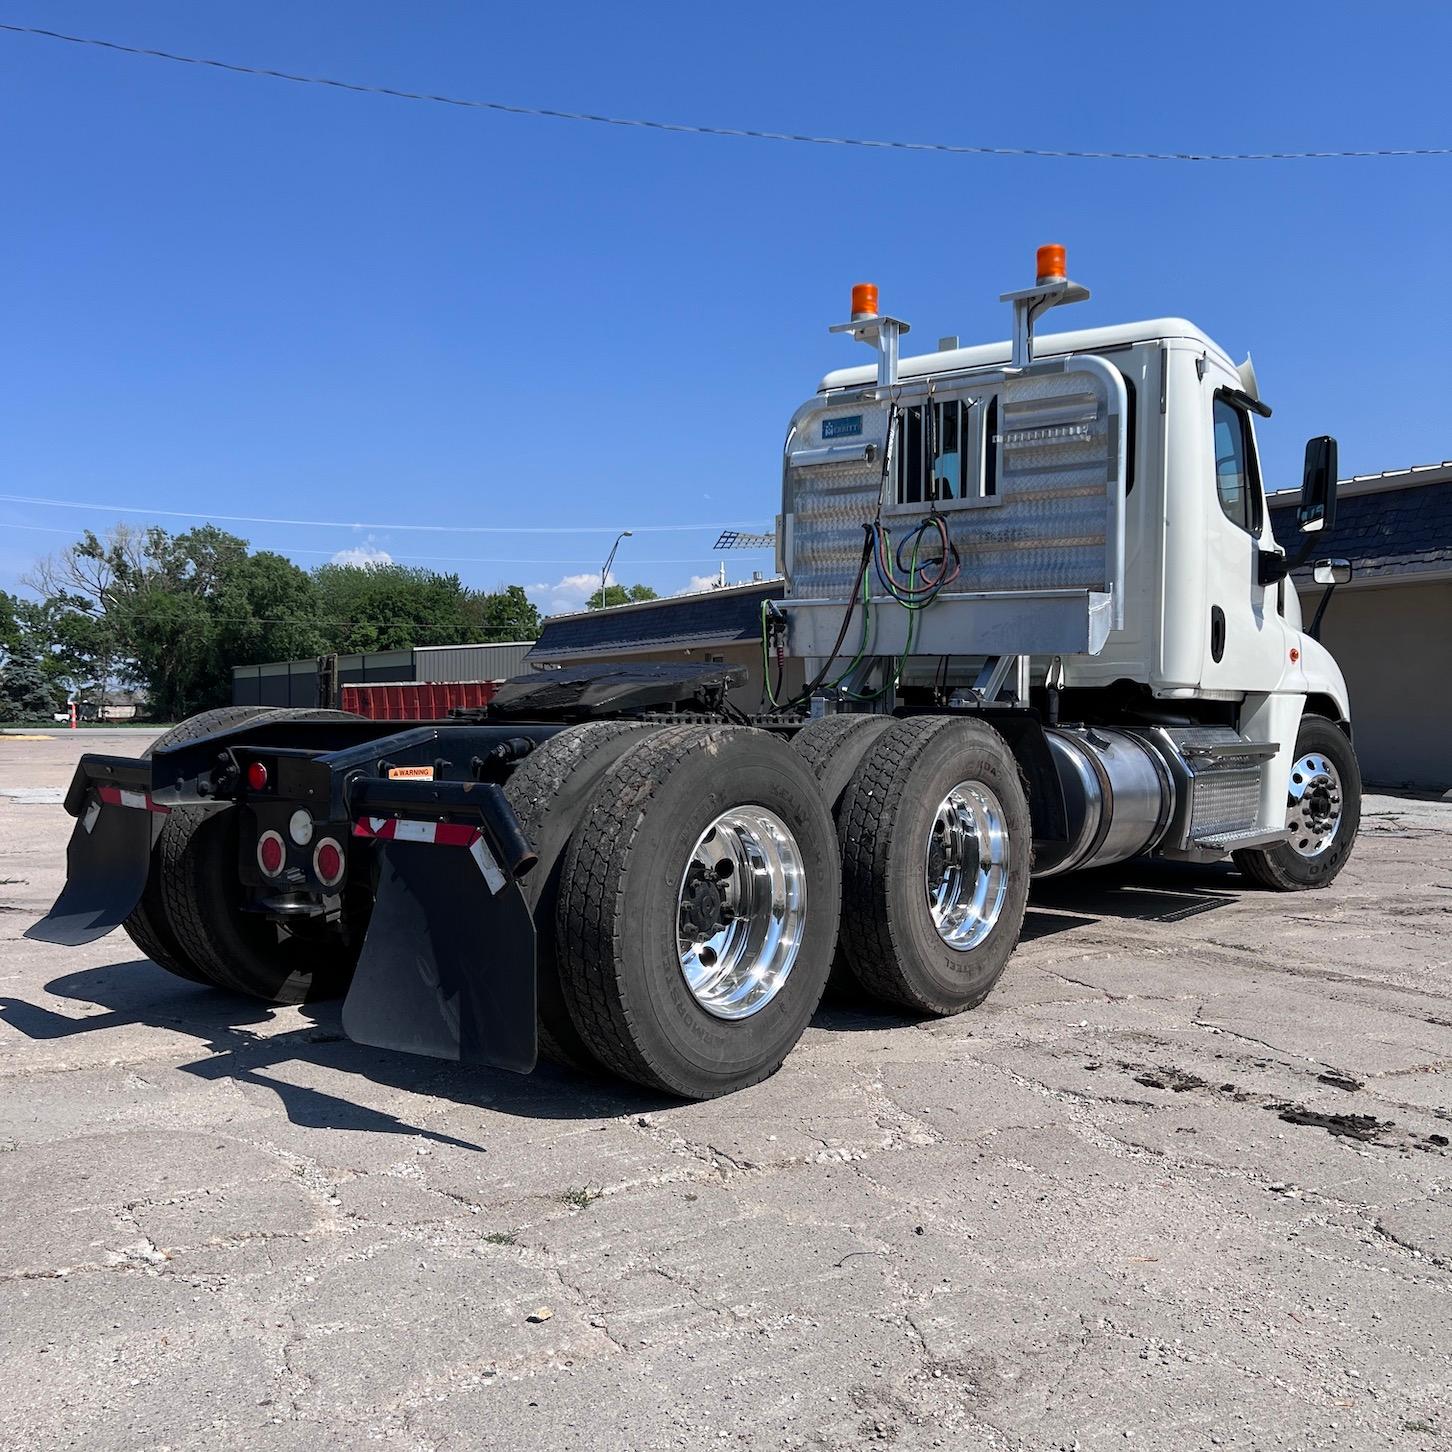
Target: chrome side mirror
(1329, 573)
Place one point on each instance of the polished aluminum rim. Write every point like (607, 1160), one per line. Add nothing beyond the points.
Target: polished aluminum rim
(1313, 809)
(965, 869)
(740, 912)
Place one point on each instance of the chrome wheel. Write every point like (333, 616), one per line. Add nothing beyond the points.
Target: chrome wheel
(965, 870)
(1313, 809)
(740, 912)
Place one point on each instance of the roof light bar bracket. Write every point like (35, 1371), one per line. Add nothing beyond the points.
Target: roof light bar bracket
(882, 333)
(1029, 305)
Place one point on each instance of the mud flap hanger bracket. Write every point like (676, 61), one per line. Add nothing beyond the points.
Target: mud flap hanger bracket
(388, 809)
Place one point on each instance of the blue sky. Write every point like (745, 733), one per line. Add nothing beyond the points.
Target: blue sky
(246, 297)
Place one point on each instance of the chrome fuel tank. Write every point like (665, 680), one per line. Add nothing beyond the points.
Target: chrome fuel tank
(1119, 798)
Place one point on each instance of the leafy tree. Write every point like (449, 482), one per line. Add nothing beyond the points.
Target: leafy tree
(176, 612)
(172, 612)
(621, 595)
(267, 609)
(172, 637)
(389, 607)
(506, 614)
(24, 694)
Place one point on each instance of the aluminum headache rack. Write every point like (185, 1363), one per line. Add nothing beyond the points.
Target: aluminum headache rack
(1024, 464)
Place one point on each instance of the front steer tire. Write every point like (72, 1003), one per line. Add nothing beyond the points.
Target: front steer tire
(620, 909)
(1284, 868)
(886, 823)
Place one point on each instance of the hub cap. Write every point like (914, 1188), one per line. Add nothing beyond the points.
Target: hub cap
(740, 912)
(1313, 810)
(965, 871)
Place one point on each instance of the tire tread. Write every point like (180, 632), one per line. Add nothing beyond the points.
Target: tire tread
(866, 819)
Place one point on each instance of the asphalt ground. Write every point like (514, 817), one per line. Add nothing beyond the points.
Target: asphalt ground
(1182, 1182)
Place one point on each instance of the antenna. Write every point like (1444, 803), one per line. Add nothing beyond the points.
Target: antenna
(737, 539)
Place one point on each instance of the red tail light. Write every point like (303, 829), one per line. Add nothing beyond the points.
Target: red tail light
(328, 862)
(256, 776)
(271, 854)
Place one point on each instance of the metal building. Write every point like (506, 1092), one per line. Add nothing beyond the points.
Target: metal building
(296, 682)
(471, 662)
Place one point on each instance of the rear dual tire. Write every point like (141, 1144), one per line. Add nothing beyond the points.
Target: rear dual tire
(548, 792)
(936, 845)
(191, 920)
(147, 926)
(697, 910)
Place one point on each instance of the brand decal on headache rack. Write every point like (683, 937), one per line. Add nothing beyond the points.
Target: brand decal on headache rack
(410, 773)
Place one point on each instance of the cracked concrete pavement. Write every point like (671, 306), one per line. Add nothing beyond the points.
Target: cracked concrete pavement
(1184, 1181)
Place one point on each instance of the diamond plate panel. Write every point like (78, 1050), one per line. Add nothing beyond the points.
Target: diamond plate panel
(1047, 528)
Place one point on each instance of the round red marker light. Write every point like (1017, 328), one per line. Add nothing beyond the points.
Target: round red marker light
(256, 776)
(1295, 655)
(328, 862)
(271, 854)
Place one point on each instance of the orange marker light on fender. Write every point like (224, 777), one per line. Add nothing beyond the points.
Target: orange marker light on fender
(864, 300)
(1295, 655)
(1053, 262)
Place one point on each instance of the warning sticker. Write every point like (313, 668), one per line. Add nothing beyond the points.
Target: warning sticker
(410, 773)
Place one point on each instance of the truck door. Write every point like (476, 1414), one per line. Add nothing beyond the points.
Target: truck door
(1243, 650)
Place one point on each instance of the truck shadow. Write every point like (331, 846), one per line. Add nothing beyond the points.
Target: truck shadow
(245, 1041)
(1153, 892)
(248, 1042)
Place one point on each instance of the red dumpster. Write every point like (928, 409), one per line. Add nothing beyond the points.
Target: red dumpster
(414, 700)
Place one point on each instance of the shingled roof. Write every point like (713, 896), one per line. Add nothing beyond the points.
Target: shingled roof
(1393, 524)
(683, 622)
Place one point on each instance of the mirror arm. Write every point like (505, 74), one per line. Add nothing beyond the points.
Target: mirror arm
(1314, 629)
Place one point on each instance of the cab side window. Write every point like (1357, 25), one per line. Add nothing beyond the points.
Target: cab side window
(1237, 475)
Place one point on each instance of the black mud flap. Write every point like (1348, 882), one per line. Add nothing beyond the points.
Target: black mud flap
(447, 968)
(109, 853)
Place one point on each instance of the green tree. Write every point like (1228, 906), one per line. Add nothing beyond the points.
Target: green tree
(9, 624)
(24, 692)
(172, 612)
(389, 607)
(267, 609)
(506, 614)
(621, 595)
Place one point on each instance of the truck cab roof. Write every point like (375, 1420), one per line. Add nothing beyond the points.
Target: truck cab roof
(991, 355)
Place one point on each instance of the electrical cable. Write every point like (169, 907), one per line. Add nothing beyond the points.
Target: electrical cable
(810, 690)
(733, 132)
(360, 524)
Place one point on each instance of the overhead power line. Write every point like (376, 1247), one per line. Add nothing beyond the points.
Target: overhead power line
(736, 132)
(554, 529)
(590, 560)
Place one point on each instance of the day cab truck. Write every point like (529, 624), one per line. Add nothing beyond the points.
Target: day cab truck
(1044, 627)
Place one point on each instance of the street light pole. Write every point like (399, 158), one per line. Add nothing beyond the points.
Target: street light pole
(610, 560)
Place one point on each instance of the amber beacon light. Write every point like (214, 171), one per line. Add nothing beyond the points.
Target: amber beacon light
(864, 299)
(1053, 262)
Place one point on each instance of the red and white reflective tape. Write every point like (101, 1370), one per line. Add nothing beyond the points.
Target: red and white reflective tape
(114, 796)
(437, 834)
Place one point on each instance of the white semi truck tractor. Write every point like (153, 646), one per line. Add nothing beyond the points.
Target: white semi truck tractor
(1042, 626)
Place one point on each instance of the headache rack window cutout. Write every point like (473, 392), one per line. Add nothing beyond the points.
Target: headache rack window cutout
(946, 454)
